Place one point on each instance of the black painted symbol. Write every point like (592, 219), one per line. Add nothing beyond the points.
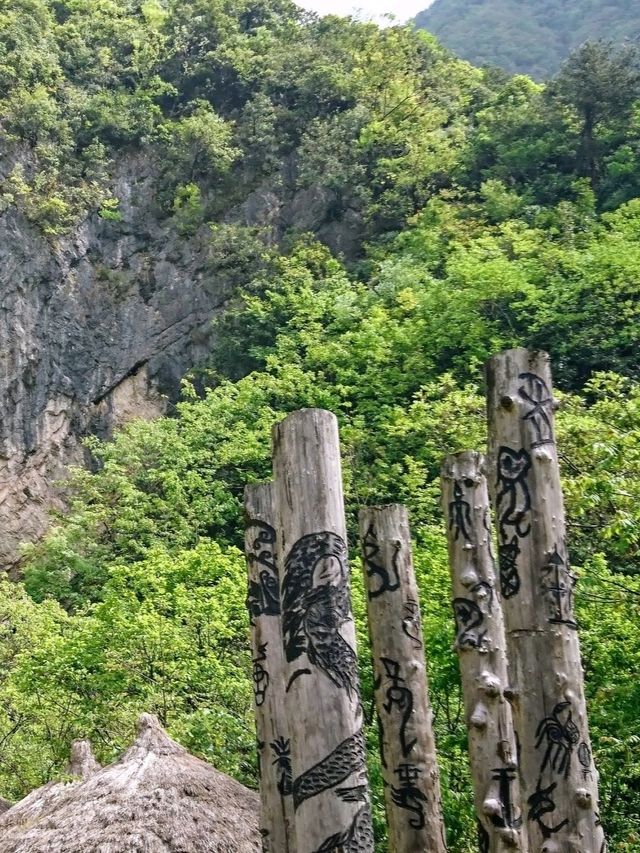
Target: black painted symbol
(460, 520)
(259, 748)
(560, 734)
(508, 817)
(408, 794)
(508, 553)
(470, 616)
(557, 584)
(535, 391)
(513, 500)
(347, 758)
(513, 504)
(486, 523)
(584, 757)
(358, 838)
(260, 676)
(315, 605)
(542, 803)
(263, 598)
(375, 568)
(411, 622)
(354, 794)
(399, 698)
(383, 758)
(469, 621)
(281, 749)
(484, 842)
(266, 841)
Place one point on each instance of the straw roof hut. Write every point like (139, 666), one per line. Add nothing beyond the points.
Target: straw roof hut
(157, 798)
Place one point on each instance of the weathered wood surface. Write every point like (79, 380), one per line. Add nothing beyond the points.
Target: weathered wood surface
(330, 792)
(272, 729)
(407, 743)
(560, 783)
(481, 647)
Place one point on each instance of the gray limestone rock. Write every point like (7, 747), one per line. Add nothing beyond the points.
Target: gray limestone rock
(101, 325)
(95, 328)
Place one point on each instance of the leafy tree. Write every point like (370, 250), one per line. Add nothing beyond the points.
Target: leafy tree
(169, 636)
(602, 83)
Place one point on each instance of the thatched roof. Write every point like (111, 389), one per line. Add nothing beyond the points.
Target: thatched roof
(157, 798)
(83, 764)
(44, 800)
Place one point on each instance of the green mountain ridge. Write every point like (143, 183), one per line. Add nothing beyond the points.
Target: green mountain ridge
(523, 37)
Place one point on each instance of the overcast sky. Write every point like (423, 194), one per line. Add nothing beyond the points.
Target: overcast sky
(402, 9)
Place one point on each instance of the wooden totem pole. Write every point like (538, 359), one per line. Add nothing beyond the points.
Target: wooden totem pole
(263, 601)
(407, 744)
(481, 646)
(560, 783)
(330, 790)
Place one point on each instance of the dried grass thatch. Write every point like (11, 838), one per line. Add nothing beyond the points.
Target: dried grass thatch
(157, 798)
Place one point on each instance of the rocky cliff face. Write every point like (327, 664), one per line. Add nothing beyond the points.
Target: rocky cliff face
(95, 328)
(100, 326)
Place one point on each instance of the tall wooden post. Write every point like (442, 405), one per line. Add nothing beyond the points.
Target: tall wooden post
(559, 779)
(407, 744)
(481, 646)
(263, 601)
(330, 791)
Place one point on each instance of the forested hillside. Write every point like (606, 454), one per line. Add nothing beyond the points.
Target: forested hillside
(460, 213)
(528, 36)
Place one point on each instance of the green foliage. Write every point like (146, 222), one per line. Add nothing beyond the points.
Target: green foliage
(169, 635)
(200, 143)
(379, 122)
(188, 210)
(110, 210)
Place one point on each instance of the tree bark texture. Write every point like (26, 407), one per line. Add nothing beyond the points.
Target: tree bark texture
(560, 783)
(481, 647)
(407, 744)
(272, 729)
(330, 790)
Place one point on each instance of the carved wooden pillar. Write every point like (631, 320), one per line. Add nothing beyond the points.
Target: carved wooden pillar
(560, 783)
(481, 646)
(272, 728)
(330, 791)
(407, 744)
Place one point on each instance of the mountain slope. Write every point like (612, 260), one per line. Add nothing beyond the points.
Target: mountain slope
(527, 37)
(148, 153)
